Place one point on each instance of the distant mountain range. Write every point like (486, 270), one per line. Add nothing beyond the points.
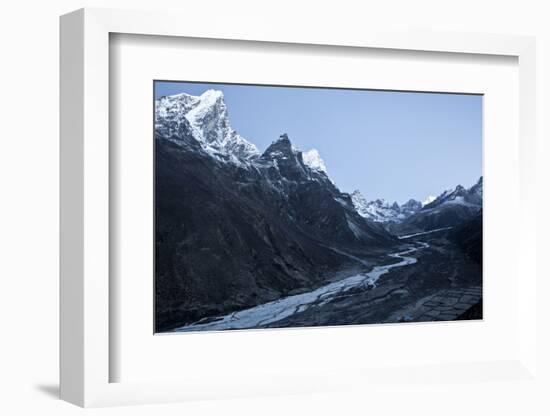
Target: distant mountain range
(380, 210)
(448, 209)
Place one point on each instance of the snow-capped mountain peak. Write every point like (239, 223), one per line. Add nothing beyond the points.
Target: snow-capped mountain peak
(380, 210)
(175, 104)
(208, 119)
(429, 199)
(358, 200)
(459, 195)
(290, 162)
(410, 207)
(212, 95)
(282, 147)
(312, 158)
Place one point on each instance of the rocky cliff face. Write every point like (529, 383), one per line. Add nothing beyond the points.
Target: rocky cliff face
(235, 228)
(469, 237)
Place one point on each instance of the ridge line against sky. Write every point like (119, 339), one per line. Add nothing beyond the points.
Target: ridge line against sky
(390, 145)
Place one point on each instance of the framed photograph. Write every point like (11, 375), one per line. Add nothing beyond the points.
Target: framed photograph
(280, 213)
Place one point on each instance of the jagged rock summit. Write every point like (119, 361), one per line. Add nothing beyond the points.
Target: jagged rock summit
(449, 209)
(459, 195)
(207, 118)
(382, 211)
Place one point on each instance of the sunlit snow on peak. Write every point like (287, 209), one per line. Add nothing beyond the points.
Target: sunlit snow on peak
(208, 118)
(312, 158)
(211, 95)
(428, 200)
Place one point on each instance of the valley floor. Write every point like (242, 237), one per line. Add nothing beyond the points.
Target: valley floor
(428, 279)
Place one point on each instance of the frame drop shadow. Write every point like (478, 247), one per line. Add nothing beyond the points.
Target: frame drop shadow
(51, 390)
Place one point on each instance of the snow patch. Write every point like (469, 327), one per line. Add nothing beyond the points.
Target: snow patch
(429, 199)
(312, 158)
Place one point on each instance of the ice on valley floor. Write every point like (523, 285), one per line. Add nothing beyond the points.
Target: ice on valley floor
(277, 310)
(403, 237)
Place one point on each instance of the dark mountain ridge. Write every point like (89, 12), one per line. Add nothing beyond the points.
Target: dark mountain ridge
(450, 209)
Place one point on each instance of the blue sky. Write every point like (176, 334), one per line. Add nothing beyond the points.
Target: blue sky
(391, 145)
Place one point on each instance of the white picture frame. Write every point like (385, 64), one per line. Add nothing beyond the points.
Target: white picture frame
(85, 221)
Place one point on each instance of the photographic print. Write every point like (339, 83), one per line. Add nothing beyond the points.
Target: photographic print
(288, 206)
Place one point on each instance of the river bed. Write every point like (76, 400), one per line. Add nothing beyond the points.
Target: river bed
(271, 312)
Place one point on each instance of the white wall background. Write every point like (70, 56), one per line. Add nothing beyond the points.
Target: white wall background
(29, 205)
